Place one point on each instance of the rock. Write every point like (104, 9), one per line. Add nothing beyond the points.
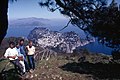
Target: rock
(27, 76)
(36, 75)
(61, 78)
(31, 76)
(82, 59)
(60, 42)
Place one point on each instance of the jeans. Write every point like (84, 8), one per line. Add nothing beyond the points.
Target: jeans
(23, 65)
(17, 65)
(31, 61)
(26, 65)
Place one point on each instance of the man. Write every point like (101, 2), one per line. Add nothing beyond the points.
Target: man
(22, 51)
(31, 52)
(12, 54)
(20, 56)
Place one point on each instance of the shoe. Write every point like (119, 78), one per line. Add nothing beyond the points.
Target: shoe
(31, 71)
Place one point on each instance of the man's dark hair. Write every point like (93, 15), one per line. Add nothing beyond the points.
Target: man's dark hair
(30, 41)
(22, 40)
(11, 43)
(17, 43)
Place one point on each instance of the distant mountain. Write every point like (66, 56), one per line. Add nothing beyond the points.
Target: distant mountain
(27, 24)
(32, 21)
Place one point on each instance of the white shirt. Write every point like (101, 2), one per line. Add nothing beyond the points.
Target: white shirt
(31, 51)
(18, 50)
(11, 52)
(19, 53)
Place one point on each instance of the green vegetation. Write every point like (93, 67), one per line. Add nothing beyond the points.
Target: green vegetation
(69, 67)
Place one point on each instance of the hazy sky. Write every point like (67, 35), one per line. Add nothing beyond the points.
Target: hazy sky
(31, 8)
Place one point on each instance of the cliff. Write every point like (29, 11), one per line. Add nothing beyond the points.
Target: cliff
(62, 42)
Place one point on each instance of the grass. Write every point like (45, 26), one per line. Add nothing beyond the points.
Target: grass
(50, 70)
(67, 67)
(3, 63)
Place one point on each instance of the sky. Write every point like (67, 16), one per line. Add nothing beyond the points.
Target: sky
(31, 8)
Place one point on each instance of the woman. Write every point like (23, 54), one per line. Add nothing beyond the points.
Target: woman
(30, 53)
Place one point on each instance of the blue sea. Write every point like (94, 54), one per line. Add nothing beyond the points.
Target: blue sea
(23, 31)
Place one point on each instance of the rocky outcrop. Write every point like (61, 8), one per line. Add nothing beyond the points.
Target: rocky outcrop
(62, 42)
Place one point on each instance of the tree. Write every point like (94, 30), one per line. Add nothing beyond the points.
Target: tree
(3, 18)
(95, 17)
(106, 26)
(81, 12)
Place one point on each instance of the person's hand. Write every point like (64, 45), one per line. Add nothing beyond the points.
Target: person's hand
(26, 48)
(34, 56)
(13, 57)
(20, 58)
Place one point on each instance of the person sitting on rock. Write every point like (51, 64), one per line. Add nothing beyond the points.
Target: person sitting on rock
(20, 56)
(31, 52)
(12, 54)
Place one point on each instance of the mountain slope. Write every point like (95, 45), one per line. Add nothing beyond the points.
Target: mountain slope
(32, 21)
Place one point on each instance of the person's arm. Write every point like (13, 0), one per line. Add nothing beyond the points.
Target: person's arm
(11, 57)
(6, 53)
(34, 49)
(16, 52)
(21, 57)
(22, 50)
(26, 48)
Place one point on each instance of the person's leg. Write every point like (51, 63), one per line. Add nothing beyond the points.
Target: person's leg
(33, 63)
(26, 65)
(30, 61)
(22, 63)
(13, 62)
(18, 66)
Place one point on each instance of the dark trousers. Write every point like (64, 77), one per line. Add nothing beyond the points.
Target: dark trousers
(26, 65)
(17, 65)
(31, 61)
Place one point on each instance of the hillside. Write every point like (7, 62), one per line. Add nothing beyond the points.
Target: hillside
(82, 66)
